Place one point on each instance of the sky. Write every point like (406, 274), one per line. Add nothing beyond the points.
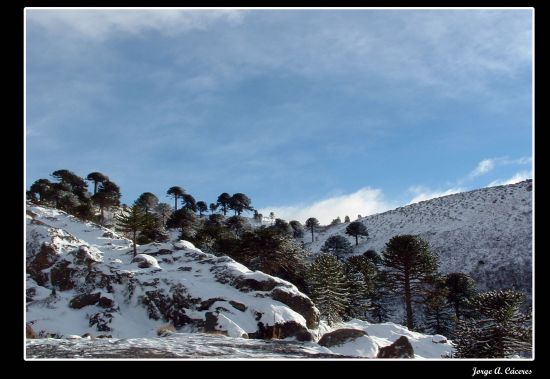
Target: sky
(311, 113)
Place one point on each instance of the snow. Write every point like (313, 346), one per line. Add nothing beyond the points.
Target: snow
(486, 233)
(363, 346)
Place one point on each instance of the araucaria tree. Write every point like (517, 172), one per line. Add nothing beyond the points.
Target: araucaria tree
(437, 314)
(202, 207)
(132, 222)
(498, 328)
(176, 192)
(239, 202)
(328, 287)
(356, 229)
(108, 195)
(312, 223)
(183, 219)
(460, 288)
(409, 264)
(96, 178)
(223, 201)
(361, 275)
(147, 201)
(337, 245)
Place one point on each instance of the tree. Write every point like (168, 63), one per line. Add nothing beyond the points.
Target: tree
(297, 229)
(183, 219)
(282, 226)
(373, 256)
(272, 217)
(68, 202)
(108, 195)
(132, 222)
(223, 201)
(356, 229)
(213, 207)
(328, 287)
(360, 274)
(176, 192)
(336, 221)
(97, 178)
(498, 330)
(337, 245)
(239, 202)
(380, 308)
(164, 211)
(461, 288)
(438, 316)
(236, 224)
(346, 219)
(76, 184)
(409, 264)
(202, 207)
(312, 223)
(41, 187)
(189, 202)
(147, 201)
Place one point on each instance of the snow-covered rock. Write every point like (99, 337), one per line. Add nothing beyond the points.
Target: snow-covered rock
(82, 278)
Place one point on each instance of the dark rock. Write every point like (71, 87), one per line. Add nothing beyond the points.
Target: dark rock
(101, 320)
(44, 258)
(108, 235)
(104, 336)
(160, 252)
(143, 262)
(85, 335)
(62, 276)
(210, 322)
(340, 337)
(248, 284)
(184, 268)
(401, 348)
(169, 307)
(80, 301)
(83, 256)
(298, 303)
(241, 307)
(105, 302)
(282, 330)
(206, 304)
(30, 294)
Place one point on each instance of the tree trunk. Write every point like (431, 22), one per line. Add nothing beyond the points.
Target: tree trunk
(135, 245)
(175, 203)
(456, 310)
(356, 240)
(312, 234)
(95, 187)
(408, 300)
(102, 215)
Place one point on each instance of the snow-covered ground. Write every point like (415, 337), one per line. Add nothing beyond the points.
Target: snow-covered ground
(486, 233)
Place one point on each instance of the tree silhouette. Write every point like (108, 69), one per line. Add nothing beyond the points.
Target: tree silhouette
(223, 201)
(356, 229)
(132, 221)
(312, 223)
(176, 192)
(147, 201)
(97, 178)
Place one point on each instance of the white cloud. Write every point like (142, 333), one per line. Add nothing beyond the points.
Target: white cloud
(518, 177)
(99, 24)
(423, 193)
(483, 167)
(365, 201)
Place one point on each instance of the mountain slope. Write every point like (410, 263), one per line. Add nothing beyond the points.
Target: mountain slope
(486, 233)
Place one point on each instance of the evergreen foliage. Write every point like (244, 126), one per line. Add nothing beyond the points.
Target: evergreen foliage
(132, 222)
(223, 201)
(498, 328)
(460, 288)
(356, 229)
(361, 275)
(182, 219)
(176, 192)
(147, 201)
(410, 265)
(312, 223)
(337, 245)
(328, 287)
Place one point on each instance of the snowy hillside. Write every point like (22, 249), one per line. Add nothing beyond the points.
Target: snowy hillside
(486, 233)
(83, 280)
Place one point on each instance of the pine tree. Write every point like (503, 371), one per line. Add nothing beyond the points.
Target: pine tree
(312, 223)
(380, 299)
(461, 288)
(360, 274)
(176, 192)
(202, 207)
(97, 178)
(346, 219)
(213, 207)
(297, 229)
(132, 222)
(108, 195)
(498, 328)
(356, 229)
(147, 201)
(328, 287)
(409, 265)
(164, 211)
(189, 202)
(239, 203)
(223, 201)
(184, 219)
(337, 245)
(438, 316)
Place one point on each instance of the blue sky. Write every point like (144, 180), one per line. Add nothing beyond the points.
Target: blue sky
(319, 113)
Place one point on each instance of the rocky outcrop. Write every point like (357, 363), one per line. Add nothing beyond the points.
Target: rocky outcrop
(401, 348)
(340, 337)
(85, 266)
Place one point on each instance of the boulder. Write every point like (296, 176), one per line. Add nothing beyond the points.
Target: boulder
(300, 304)
(145, 261)
(44, 258)
(401, 348)
(63, 275)
(101, 320)
(245, 284)
(85, 299)
(340, 337)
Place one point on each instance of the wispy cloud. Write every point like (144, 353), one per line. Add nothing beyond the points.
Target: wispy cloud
(99, 24)
(365, 201)
(422, 193)
(483, 167)
(518, 177)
